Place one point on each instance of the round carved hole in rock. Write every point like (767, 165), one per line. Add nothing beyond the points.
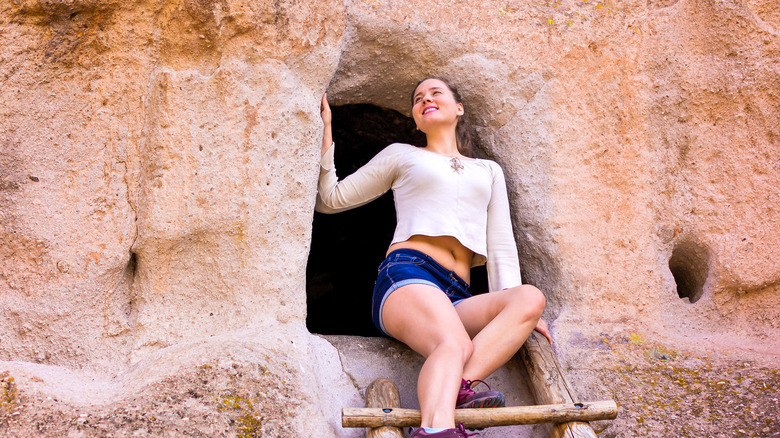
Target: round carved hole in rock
(690, 267)
(347, 247)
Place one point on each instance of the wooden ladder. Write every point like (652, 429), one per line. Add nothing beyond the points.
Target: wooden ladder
(555, 398)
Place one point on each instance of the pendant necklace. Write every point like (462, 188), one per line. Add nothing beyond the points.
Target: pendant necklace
(456, 165)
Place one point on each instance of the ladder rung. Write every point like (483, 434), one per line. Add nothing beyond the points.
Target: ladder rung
(485, 417)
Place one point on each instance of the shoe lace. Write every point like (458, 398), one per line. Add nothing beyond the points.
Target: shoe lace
(468, 384)
(462, 431)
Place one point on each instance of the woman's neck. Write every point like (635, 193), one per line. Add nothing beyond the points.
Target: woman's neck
(444, 143)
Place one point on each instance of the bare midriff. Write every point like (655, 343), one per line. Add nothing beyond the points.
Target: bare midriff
(446, 250)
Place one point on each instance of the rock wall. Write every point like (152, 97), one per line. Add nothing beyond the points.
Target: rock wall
(629, 132)
(158, 165)
(145, 148)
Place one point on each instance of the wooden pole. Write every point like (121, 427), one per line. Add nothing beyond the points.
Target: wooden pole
(550, 385)
(382, 394)
(472, 418)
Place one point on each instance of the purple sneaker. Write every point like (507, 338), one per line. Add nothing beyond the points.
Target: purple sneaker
(468, 398)
(458, 432)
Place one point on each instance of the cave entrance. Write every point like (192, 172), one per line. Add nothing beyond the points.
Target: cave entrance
(347, 247)
(689, 265)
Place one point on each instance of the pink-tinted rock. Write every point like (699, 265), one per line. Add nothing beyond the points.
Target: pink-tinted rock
(158, 165)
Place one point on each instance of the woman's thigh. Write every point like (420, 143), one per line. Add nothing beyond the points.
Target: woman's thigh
(422, 317)
(478, 311)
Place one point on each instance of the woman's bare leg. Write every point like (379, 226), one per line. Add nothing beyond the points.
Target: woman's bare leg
(422, 317)
(499, 323)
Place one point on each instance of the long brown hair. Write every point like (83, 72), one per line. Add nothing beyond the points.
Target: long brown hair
(463, 129)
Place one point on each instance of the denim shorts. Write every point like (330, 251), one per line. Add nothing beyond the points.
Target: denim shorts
(408, 266)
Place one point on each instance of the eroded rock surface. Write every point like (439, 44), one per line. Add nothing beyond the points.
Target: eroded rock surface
(158, 165)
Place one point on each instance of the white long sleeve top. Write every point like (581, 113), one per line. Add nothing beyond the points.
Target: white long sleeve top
(434, 197)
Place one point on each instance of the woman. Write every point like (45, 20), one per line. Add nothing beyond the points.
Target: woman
(453, 213)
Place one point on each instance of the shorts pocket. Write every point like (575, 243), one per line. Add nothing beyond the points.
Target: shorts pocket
(410, 259)
(401, 259)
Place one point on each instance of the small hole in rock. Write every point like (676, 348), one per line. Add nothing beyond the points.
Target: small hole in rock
(689, 265)
(132, 264)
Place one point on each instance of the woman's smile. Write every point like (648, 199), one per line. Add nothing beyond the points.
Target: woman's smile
(429, 109)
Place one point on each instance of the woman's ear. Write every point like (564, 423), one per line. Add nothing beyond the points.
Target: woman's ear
(460, 111)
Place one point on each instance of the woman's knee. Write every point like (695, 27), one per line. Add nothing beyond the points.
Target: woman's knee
(458, 345)
(529, 299)
(467, 347)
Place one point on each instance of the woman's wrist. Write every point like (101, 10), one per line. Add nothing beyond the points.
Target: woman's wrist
(327, 142)
(327, 137)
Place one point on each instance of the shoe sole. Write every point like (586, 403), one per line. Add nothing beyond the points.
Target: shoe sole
(487, 402)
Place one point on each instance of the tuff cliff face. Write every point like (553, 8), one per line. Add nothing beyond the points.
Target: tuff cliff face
(143, 148)
(158, 165)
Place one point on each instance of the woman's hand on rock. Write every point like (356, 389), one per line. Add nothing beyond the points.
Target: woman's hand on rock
(327, 131)
(325, 110)
(541, 327)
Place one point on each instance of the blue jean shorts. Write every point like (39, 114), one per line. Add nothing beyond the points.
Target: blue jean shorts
(408, 266)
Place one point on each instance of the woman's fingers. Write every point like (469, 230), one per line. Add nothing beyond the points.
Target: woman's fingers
(327, 130)
(325, 109)
(541, 327)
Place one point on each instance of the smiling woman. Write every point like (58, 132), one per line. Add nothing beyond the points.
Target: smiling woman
(452, 213)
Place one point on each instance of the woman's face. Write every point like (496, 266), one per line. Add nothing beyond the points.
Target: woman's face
(435, 105)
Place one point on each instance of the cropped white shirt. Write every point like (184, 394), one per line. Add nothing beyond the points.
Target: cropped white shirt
(434, 197)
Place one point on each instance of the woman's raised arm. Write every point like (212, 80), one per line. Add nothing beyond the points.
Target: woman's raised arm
(327, 131)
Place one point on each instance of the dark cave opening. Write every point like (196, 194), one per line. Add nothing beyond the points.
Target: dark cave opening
(347, 247)
(689, 265)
